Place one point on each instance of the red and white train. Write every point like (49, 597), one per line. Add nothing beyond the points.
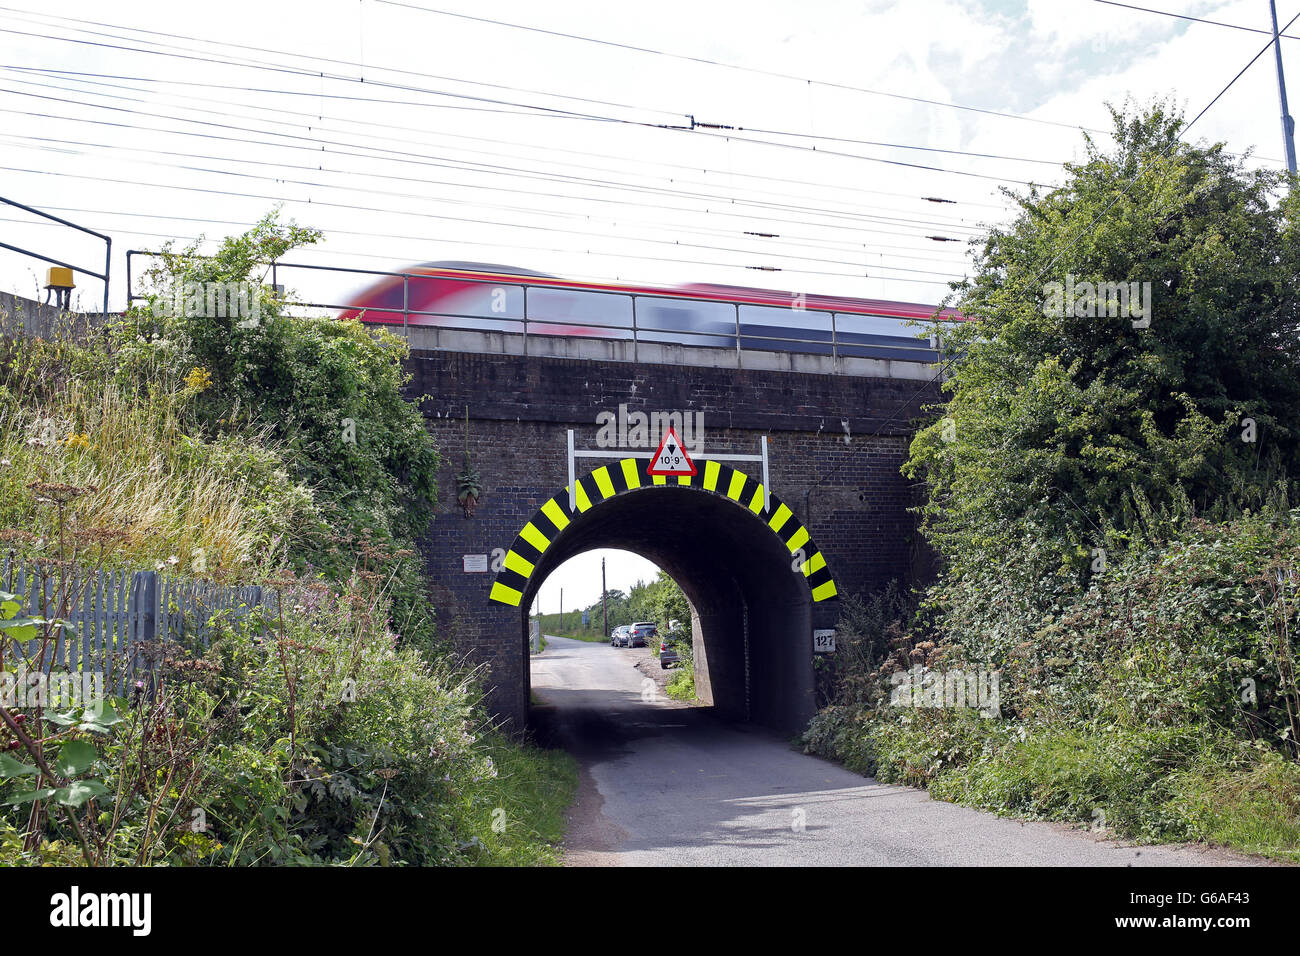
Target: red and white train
(482, 297)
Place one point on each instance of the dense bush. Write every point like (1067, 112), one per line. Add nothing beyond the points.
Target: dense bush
(313, 737)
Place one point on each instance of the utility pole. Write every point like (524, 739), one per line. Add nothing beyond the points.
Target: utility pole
(561, 610)
(1288, 124)
(604, 600)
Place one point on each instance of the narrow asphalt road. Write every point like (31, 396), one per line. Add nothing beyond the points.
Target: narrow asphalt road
(666, 783)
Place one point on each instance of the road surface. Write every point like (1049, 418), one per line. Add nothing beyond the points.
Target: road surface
(666, 783)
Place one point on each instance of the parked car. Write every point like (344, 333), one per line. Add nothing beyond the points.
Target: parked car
(619, 637)
(668, 654)
(642, 633)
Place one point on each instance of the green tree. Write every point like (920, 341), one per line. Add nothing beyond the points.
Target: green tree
(1068, 431)
(660, 600)
(330, 391)
(328, 394)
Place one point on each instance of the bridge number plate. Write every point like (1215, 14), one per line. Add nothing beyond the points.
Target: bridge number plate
(824, 641)
(475, 563)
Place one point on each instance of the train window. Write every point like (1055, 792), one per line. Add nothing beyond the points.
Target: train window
(880, 336)
(554, 311)
(784, 329)
(688, 322)
(877, 325)
(461, 299)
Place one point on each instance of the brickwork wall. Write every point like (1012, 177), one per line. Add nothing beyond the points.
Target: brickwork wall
(850, 495)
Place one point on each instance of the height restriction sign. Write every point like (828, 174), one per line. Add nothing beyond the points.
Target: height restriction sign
(671, 458)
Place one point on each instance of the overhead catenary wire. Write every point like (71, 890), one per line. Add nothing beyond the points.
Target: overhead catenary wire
(315, 144)
(860, 228)
(747, 69)
(543, 110)
(1184, 16)
(483, 139)
(873, 248)
(836, 213)
(328, 231)
(222, 192)
(863, 221)
(346, 253)
(549, 111)
(425, 142)
(553, 229)
(352, 63)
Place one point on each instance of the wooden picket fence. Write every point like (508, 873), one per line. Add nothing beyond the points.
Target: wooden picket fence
(116, 612)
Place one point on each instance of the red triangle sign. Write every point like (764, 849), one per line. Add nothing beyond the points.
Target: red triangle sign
(671, 458)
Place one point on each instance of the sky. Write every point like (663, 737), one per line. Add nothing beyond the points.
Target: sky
(556, 137)
(579, 578)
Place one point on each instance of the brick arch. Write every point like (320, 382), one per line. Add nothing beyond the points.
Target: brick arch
(626, 477)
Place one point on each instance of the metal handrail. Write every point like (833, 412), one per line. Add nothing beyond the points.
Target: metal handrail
(635, 330)
(108, 250)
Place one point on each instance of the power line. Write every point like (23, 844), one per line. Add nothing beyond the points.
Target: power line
(863, 220)
(550, 111)
(733, 66)
(545, 110)
(327, 231)
(1183, 16)
(250, 61)
(863, 228)
(549, 149)
(400, 212)
(945, 222)
(873, 249)
(783, 256)
(925, 149)
(347, 253)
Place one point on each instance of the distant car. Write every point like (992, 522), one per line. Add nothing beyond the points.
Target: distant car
(642, 633)
(619, 636)
(668, 654)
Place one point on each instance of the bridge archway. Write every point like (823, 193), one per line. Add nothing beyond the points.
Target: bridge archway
(750, 572)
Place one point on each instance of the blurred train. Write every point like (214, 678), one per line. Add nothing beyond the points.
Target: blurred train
(483, 297)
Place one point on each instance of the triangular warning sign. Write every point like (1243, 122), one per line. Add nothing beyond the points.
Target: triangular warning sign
(671, 458)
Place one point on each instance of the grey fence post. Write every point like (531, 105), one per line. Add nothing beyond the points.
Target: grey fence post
(144, 621)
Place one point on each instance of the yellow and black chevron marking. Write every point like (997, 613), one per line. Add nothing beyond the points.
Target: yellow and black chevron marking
(629, 474)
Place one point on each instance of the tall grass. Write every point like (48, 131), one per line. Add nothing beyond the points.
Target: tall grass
(215, 505)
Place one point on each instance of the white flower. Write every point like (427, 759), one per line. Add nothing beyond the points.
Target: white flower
(173, 560)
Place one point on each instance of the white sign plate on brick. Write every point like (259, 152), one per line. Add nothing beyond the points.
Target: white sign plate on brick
(824, 641)
(475, 563)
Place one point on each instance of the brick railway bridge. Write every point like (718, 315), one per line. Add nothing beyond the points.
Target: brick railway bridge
(758, 580)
